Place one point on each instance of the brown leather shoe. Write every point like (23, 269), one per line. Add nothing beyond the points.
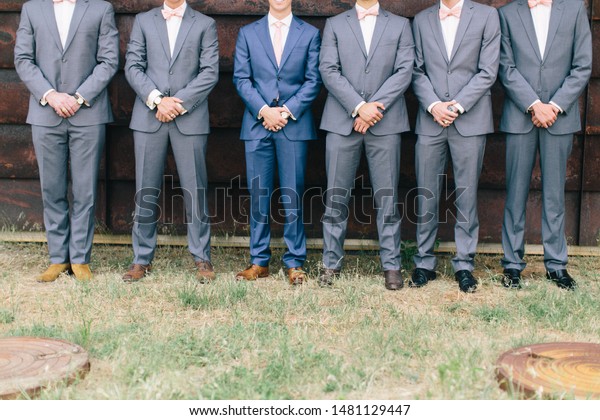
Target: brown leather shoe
(205, 271)
(393, 279)
(82, 272)
(327, 275)
(136, 272)
(53, 272)
(252, 272)
(297, 276)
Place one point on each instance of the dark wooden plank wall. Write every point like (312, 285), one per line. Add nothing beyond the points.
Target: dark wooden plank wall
(20, 202)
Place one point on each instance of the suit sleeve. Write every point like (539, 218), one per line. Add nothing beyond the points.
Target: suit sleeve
(421, 84)
(107, 58)
(242, 76)
(398, 82)
(25, 60)
(136, 62)
(515, 85)
(331, 72)
(489, 58)
(304, 97)
(574, 84)
(198, 89)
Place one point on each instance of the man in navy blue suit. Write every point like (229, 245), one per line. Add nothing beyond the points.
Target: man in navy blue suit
(277, 76)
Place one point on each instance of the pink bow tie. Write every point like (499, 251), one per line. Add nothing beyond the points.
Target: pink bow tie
(533, 3)
(168, 14)
(60, 1)
(373, 11)
(455, 11)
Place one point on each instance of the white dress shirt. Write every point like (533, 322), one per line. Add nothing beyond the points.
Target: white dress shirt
(541, 23)
(367, 27)
(173, 26)
(449, 29)
(285, 30)
(63, 12)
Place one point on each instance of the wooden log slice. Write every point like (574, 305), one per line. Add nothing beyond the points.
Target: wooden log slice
(28, 364)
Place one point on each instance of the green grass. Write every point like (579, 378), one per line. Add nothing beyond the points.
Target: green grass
(169, 337)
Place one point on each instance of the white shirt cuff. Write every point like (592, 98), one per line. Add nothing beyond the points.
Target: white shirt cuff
(259, 116)
(460, 108)
(355, 112)
(430, 107)
(289, 112)
(43, 102)
(153, 95)
(559, 108)
(537, 101)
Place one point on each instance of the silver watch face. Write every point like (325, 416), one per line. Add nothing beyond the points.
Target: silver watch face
(158, 100)
(80, 100)
(285, 115)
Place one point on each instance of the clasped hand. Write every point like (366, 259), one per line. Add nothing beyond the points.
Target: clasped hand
(442, 115)
(272, 119)
(544, 115)
(368, 115)
(169, 108)
(63, 104)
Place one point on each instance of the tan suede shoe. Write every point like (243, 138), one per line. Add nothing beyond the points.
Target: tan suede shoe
(82, 272)
(204, 271)
(253, 272)
(136, 272)
(297, 276)
(53, 272)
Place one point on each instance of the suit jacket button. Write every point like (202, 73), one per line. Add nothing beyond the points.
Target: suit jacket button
(449, 72)
(367, 70)
(447, 95)
(170, 72)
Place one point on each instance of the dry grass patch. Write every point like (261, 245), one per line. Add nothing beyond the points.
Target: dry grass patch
(171, 337)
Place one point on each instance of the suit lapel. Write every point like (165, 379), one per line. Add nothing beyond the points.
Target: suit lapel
(80, 8)
(463, 24)
(436, 28)
(555, 17)
(527, 20)
(296, 29)
(161, 30)
(48, 12)
(189, 17)
(262, 31)
(380, 25)
(352, 18)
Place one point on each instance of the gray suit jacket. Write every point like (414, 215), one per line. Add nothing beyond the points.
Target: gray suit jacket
(86, 64)
(189, 75)
(466, 77)
(352, 76)
(560, 77)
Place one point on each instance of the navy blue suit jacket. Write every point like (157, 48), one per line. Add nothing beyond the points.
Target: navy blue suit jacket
(296, 83)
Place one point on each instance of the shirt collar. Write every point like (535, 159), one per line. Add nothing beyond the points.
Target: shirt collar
(362, 9)
(183, 6)
(459, 4)
(287, 21)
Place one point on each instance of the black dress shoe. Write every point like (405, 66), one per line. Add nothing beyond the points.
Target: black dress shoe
(393, 279)
(562, 279)
(466, 281)
(512, 278)
(420, 277)
(326, 276)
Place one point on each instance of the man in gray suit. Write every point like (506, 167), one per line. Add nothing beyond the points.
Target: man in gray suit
(457, 48)
(172, 64)
(545, 64)
(366, 63)
(66, 53)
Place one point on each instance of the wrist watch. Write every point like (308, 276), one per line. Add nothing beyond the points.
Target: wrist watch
(285, 115)
(79, 99)
(158, 100)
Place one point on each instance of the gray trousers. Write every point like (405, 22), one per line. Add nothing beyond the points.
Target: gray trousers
(190, 158)
(342, 159)
(69, 236)
(431, 155)
(521, 151)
